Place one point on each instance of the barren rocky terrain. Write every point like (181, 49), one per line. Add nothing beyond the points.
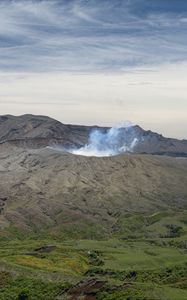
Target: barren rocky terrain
(40, 131)
(51, 190)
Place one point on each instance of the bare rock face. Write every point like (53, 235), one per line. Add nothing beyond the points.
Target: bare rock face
(39, 131)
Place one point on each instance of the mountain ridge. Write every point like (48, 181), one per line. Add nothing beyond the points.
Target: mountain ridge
(40, 131)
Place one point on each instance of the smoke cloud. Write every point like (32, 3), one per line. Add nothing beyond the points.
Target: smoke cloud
(110, 142)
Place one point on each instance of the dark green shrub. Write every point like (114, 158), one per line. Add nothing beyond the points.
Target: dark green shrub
(23, 295)
(174, 230)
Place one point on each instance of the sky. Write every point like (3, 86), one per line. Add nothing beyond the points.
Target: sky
(96, 61)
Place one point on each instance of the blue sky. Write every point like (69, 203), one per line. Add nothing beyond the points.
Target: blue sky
(66, 43)
(91, 35)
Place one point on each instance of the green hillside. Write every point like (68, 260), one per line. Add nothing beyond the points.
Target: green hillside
(92, 228)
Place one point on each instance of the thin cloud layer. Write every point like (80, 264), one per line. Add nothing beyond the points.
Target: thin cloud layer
(91, 36)
(96, 61)
(155, 100)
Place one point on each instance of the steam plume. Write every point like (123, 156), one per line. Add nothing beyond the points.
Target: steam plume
(109, 142)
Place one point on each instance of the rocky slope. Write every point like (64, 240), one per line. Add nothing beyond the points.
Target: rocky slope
(42, 190)
(39, 131)
(46, 191)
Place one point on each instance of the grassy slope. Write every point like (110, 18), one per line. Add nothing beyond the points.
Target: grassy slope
(158, 276)
(117, 221)
(138, 268)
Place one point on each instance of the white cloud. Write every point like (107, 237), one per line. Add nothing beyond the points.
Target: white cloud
(54, 54)
(87, 36)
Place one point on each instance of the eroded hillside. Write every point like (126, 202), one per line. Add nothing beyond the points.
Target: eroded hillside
(47, 190)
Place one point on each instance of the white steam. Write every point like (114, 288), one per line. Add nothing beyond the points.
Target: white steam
(109, 142)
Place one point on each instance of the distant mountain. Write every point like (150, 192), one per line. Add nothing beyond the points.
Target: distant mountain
(38, 131)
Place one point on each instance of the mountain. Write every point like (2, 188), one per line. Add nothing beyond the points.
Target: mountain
(43, 189)
(40, 131)
(76, 227)
(46, 190)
